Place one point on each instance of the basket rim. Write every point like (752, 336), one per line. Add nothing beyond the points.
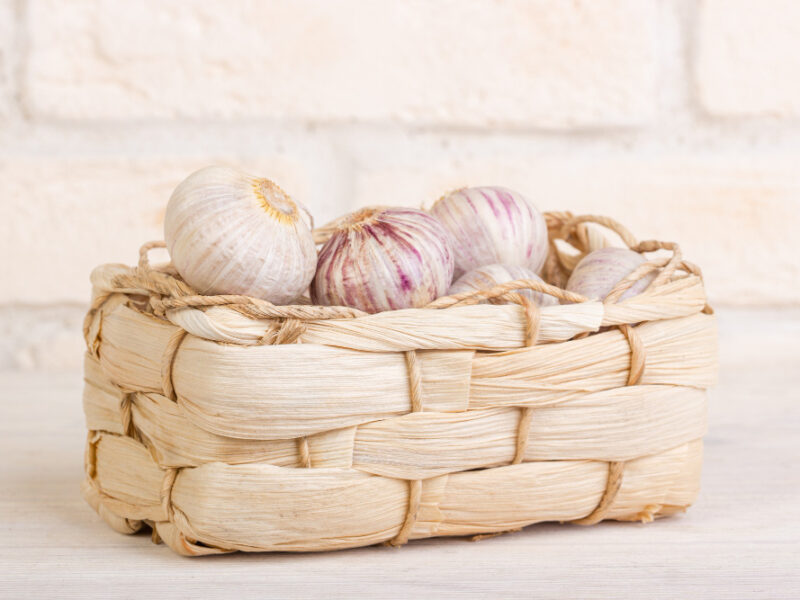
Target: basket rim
(168, 291)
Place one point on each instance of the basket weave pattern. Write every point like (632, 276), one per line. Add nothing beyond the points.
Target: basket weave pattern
(227, 423)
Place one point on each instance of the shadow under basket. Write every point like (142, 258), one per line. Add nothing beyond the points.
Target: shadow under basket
(227, 423)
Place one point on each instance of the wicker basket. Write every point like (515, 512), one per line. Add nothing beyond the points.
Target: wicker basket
(227, 423)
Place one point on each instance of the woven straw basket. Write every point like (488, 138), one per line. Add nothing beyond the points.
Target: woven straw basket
(227, 423)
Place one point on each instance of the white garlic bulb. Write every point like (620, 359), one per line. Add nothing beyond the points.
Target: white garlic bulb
(384, 259)
(598, 272)
(231, 233)
(490, 276)
(492, 225)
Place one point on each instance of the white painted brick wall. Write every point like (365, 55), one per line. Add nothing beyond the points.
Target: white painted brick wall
(70, 213)
(7, 49)
(748, 60)
(457, 62)
(681, 118)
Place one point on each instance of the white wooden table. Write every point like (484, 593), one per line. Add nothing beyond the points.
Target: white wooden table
(740, 540)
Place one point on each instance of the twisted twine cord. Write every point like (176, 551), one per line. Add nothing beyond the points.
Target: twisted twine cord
(616, 469)
(414, 497)
(638, 354)
(287, 331)
(523, 432)
(553, 270)
(144, 250)
(476, 296)
(568, 228)
(613, 484)
(532, 319)
(414, 485)
(414, 380)
(255, 307)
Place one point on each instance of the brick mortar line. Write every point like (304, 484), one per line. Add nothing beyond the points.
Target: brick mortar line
(23, 138)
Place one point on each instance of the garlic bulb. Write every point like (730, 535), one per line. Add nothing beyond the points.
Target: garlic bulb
(230, 233)
(492, 225)
(598, 272)
(384, 259)
(492, 275)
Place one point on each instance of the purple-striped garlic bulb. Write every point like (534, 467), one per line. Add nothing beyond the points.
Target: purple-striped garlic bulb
(231, 233)
(490, 276)
(598, 272)
(384, 259)
(492, 225)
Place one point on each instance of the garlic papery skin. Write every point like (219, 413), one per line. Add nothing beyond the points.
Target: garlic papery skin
(598, 272)
(232, 233)
(492, 225)
(484, 278)
(384, 259)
